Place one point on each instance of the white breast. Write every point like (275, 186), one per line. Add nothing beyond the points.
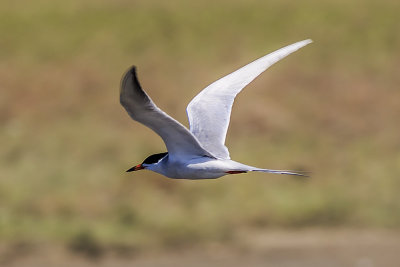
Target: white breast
(197, 168)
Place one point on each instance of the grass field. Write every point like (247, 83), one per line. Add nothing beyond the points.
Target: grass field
(331, 108)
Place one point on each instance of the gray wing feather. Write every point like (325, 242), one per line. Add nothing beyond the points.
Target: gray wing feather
(179, 141)
(209, 112)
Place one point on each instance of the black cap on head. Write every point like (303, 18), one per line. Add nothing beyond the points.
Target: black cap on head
(154, 158)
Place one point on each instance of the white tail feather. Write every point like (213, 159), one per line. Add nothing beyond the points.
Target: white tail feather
(281, 172)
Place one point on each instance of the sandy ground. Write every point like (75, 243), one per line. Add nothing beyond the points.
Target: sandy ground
(358, 248)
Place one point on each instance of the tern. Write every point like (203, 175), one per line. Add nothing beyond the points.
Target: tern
(198, 153)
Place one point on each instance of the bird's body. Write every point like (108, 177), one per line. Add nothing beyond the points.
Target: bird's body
(203, 168)
(198, 153)
(198, 168)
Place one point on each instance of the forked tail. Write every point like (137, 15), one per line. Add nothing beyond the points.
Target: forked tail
(304, 174)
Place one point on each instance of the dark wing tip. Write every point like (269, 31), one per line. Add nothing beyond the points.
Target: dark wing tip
(130, 89)
(132, 97)
(130, 72)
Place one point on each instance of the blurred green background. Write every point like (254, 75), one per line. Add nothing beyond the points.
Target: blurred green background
(331, 108)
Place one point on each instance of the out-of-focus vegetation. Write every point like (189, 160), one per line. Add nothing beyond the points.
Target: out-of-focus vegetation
(331, 108)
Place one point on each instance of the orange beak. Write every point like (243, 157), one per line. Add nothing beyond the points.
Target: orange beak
(136, 168)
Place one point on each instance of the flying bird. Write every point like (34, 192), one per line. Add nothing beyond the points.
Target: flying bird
(198, 152)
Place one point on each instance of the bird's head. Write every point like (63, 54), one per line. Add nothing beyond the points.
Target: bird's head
(148, 162)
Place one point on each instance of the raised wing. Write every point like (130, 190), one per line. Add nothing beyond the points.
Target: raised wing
(209, 112)
(180, 142)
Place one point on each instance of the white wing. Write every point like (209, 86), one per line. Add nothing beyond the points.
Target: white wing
(179, 141)
(209, 112)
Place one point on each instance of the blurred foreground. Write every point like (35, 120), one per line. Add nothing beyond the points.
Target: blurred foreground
(331, 108)
(306, 248)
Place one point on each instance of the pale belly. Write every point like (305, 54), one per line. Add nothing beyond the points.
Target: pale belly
(202, 169)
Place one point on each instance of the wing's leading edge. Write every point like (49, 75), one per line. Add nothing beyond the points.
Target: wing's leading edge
(209, 112)
(180, 142)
